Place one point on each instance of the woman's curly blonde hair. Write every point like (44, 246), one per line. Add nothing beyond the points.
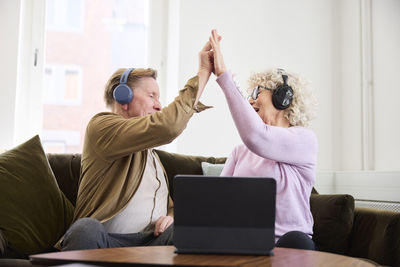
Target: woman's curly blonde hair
(303, 107)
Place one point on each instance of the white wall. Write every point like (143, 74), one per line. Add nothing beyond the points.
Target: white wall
(366, 185)
(301, 36)
(258, 35)
(9, 32)
(322, 41)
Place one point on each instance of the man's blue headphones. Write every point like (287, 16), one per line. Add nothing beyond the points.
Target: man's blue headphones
(123, 94)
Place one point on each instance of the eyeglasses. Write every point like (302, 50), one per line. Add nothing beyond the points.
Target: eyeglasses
(256, 92)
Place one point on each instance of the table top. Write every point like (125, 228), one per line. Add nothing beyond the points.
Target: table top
(165, 255)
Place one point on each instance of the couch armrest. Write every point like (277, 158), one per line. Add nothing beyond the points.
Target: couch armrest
(182, 164)
(376, 236)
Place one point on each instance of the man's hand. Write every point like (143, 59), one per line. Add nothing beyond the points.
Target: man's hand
(162, 223)
(205, 60)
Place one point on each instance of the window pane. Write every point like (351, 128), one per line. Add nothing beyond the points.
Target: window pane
(71, 89)
(48, 84)
(74, 13)
(50, 12)
(79, 63)
(65, 15)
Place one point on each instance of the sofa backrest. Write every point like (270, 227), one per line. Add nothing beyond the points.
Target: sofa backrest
(181, 164)
(66, 169)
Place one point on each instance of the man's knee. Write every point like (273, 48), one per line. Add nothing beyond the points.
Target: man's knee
(86, 227)
(85, 233)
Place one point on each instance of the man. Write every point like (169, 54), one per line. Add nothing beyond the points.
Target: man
(123, 197)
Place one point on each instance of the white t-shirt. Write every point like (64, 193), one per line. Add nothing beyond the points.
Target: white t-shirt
(147, 205)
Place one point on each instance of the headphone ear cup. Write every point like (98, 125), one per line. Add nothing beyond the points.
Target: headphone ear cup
(123, 94)
(282, 97)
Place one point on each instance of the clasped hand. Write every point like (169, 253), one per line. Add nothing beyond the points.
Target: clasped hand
(210, 57)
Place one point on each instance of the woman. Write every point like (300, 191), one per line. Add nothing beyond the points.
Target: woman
(276, 144)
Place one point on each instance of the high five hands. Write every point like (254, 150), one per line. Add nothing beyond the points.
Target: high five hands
(210, 57)
(217, 58)
(210, 60)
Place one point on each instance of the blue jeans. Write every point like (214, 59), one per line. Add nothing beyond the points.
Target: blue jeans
(89, 233)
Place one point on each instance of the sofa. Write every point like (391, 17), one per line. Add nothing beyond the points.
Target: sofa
(38, 194)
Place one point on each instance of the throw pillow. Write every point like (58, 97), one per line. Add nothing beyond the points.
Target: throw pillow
(333, 220)
(34, 213)
(212, 169)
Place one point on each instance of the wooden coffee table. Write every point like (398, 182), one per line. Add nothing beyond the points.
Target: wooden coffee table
(164, 255)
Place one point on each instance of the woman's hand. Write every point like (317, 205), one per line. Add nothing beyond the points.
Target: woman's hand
(162, 223)
(219, 65)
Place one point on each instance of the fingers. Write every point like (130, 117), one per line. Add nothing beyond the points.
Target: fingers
(214, 41)
(162, 223)
(207, 47)
(215, 38)
(157, 227)
(165, 223)
(218, 60)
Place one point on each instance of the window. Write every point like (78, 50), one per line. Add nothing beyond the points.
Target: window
(59, 141)
(65, 15)
(79, 60)
(63, 85)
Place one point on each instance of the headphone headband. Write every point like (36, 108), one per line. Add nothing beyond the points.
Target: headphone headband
(282, 72)
(285, 78)
(125, 75)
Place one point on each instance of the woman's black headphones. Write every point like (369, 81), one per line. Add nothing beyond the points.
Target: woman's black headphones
(282, 96)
